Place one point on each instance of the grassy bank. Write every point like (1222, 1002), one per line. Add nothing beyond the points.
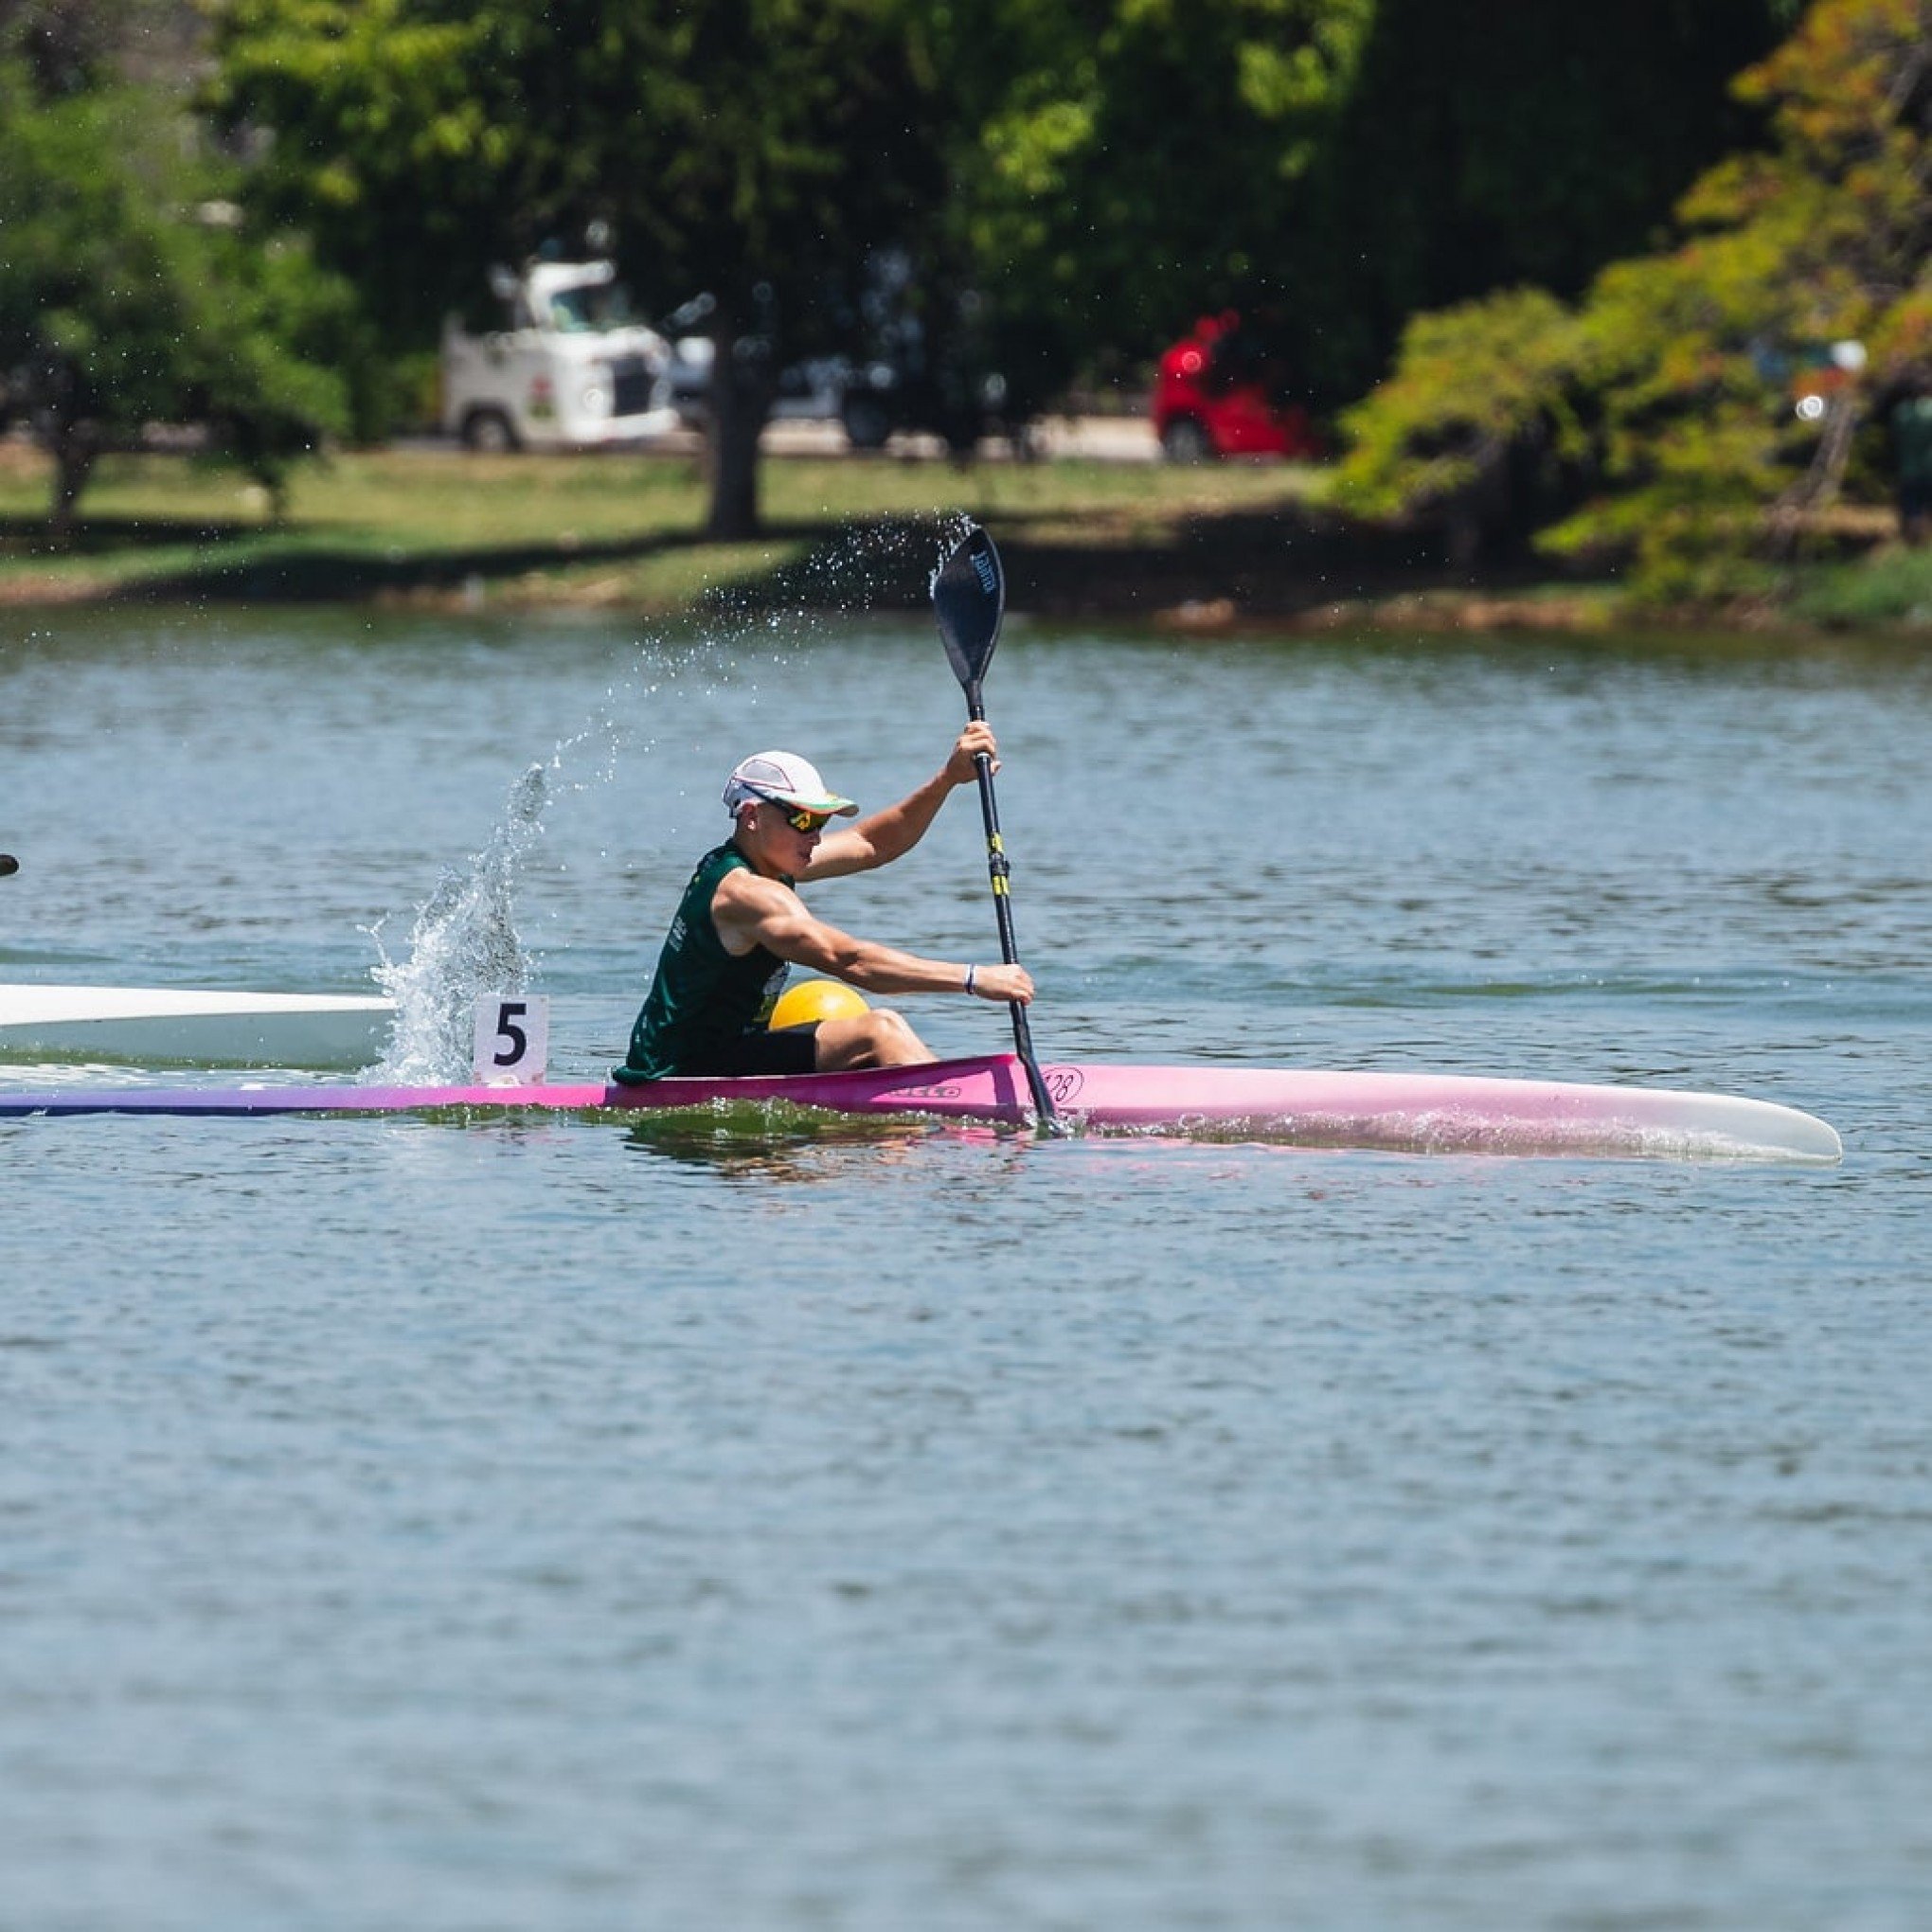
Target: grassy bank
(618, 530)
(1207, 547)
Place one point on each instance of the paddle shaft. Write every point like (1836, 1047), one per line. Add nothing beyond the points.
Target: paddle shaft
(999, 870)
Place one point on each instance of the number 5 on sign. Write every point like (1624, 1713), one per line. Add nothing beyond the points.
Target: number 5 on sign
(512, 1039)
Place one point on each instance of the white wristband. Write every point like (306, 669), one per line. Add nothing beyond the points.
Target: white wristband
(970, 973)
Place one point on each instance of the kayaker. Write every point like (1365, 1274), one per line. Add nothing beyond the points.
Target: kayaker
(741, 924)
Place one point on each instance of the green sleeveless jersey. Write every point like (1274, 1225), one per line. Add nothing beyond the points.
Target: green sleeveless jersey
(701, 997)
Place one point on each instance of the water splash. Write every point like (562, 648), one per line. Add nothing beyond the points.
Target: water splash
(464, 945)
(952, 531)
(858, 570)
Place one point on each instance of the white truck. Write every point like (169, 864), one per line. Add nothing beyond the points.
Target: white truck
(570, 369)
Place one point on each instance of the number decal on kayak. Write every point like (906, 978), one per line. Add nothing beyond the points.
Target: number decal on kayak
(1062, 1082)
(516, 1041)
(512, 1039)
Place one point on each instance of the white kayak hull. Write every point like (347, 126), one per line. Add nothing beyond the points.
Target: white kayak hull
(159, 1026)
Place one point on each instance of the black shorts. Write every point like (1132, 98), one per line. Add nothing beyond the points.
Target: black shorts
(789, 1049)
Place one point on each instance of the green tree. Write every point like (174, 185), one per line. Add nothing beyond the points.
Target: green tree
(1655, 419)
(1509, 144)
(1333, 166)
(1068, 180)
(64, 45)
(761, 151)
(1123, 164)
(126, 299)
(1064, 180)
(1486, 424)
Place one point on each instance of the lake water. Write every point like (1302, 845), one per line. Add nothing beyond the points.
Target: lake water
(576, 1525)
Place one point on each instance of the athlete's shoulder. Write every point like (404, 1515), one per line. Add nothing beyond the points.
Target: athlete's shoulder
(746, 886)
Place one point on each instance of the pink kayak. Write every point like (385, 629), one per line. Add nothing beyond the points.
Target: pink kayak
(1418, 1112)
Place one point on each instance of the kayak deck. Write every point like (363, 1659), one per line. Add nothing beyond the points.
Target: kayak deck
(1413, 1113)
(152, 1025)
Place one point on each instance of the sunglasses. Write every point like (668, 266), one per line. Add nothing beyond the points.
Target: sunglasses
(797, 817)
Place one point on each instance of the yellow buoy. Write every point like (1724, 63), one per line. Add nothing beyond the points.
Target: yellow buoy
(817, 999)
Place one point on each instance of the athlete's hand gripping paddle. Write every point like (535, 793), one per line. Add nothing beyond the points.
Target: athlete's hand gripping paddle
(969, 600)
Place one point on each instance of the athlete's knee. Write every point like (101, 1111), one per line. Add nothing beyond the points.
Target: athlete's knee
(891, 1038)
(878, 1037)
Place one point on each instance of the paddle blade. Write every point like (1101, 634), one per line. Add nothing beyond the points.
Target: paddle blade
(969, 600)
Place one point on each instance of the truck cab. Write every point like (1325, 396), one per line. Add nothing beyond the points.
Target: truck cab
(568, 367)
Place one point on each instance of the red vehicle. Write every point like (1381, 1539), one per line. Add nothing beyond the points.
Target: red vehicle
(1218, 394)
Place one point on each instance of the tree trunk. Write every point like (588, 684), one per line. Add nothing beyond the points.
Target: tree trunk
(73, 451)
(741, 402)
(732, 461)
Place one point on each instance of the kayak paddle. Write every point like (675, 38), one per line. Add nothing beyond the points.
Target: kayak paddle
(9, 865)
(969, 600)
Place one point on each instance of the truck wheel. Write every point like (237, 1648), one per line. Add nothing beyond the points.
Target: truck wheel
(491, 432)
(867, 421)
(1186, 440)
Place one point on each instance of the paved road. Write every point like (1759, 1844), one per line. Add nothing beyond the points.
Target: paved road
(1103, 439)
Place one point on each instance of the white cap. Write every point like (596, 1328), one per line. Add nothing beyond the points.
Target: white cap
(786, 778)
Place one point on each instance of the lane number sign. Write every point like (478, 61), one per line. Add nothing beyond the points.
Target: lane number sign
(512, 1039)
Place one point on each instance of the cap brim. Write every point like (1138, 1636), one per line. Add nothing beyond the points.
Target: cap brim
(738, 794)
(829, 803)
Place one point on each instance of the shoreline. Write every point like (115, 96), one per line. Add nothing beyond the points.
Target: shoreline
(1429, 610)
(1206, 551)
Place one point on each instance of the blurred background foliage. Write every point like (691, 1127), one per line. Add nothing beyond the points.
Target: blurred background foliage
(1701, 408)
(1559, 275)
(130, 295)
